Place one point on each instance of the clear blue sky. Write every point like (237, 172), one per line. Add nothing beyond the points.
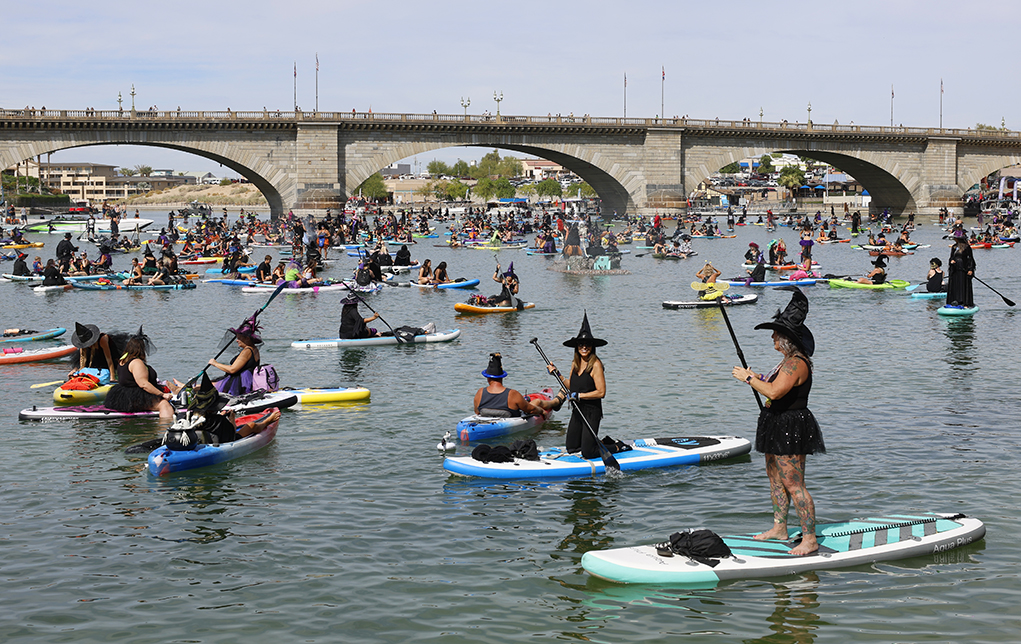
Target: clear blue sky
(723, 60)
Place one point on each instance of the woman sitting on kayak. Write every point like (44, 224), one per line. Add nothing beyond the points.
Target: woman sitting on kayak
(134, 273)
(510, 287)
(205, 424)
(440, 274)
(425, 274)
(51, 274)
(138, 388)
(238, 378)
(878, 274)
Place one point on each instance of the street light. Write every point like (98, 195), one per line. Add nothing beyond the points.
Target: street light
(465, 103)
(497, 99)
(810, 112)
(760, 117)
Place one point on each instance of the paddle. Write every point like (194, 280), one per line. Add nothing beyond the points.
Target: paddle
(608, 460)
(272, 297)
(47, 384)
(399, 339)
(733, 336)
(1005, 300)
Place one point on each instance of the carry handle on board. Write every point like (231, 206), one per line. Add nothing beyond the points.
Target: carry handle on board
(608, 460)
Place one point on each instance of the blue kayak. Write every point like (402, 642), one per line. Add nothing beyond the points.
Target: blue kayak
(462, 284)
(34, 335)
(477, 427)
(243, 269)
(163, 461)
(644, 453)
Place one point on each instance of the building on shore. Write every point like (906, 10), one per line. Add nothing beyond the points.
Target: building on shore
(97, 182)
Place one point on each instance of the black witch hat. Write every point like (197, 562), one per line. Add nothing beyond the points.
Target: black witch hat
(85, 335)
(880, 261)
(585, 336)
(791, 322)
(495, 369)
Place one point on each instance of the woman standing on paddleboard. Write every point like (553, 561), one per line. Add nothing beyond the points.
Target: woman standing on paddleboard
(961, 270)
(787, 431)
(588, 388)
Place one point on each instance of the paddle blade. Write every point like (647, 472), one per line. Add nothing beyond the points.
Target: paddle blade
(60, 382)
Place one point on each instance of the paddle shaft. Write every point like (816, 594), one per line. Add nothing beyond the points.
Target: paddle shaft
(272, 297)
(47, 384)
(740, 354)
(608, 460)
(1005, 300)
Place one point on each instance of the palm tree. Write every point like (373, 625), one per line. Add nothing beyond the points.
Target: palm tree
(143, 170)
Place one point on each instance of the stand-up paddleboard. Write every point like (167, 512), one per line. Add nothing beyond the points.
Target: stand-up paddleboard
(465, 284)
(163, 461)
(750, 298)
(929, 296)
(53, 289)
(464, 307)
(135, 287)
(26, 279)
(891, 284)
(853, 543)
(475, 427)
(326, 288)
(221, 271)
(645, 453)
(79, 397)
(810, 281)
(17, 355)
(311, 395)
(957, 311)
(333, 343)
(32, 336)
(248, 403)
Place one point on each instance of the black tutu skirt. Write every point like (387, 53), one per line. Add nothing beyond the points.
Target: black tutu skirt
(792, 432)
(130, 399)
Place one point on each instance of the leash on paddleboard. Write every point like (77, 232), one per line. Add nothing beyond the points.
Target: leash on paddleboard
(733, 336)
(1005, 300)
(254, 317)
(608, 460)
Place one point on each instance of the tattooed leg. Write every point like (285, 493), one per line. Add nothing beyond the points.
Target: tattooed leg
(781, 501)
(792, 474)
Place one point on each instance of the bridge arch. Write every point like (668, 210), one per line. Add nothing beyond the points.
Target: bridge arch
(887, 189)
(618, 187)
(259, 169)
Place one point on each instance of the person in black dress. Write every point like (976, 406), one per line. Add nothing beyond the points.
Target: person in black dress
(138, 388)
(961, 271)
(787, 431)
(587, 387)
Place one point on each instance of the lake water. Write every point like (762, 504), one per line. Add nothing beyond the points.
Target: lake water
(347, 528)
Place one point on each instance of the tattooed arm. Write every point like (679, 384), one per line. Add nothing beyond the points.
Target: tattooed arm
(793, 372)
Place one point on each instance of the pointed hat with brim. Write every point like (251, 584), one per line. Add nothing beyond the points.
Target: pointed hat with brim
(585, 336)
(791, 322)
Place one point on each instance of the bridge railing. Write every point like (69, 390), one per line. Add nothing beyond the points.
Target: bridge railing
(560, 120)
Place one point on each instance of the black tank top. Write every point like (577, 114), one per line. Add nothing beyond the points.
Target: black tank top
(796, 398)
(127, 379)
(496, 402)
(583, 383)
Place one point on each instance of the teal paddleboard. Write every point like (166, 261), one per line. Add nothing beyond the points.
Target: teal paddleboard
(957, 311)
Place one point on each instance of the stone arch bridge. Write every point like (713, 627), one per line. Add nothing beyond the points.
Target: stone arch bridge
(302, 160)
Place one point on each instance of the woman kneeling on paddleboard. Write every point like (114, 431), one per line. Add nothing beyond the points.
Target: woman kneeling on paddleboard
(239, 373)
(588, 388)
(787, 431)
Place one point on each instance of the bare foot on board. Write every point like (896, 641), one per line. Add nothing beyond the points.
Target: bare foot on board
(807, 546)
(778, 532)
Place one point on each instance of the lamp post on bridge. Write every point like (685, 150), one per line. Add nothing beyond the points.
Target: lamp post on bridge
(760, 117)
(810, 114)
(497, 99)
(465, 103)
(132, 98)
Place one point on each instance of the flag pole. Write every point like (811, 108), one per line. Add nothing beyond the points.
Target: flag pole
(295, 86)
(941, 103)
(891, 105)
(625, 94)
(662, 94)
(317, 82)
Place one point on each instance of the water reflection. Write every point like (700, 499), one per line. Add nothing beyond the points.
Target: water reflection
(961, 354)
(793, 620)
(351, 364)
(586, 516)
